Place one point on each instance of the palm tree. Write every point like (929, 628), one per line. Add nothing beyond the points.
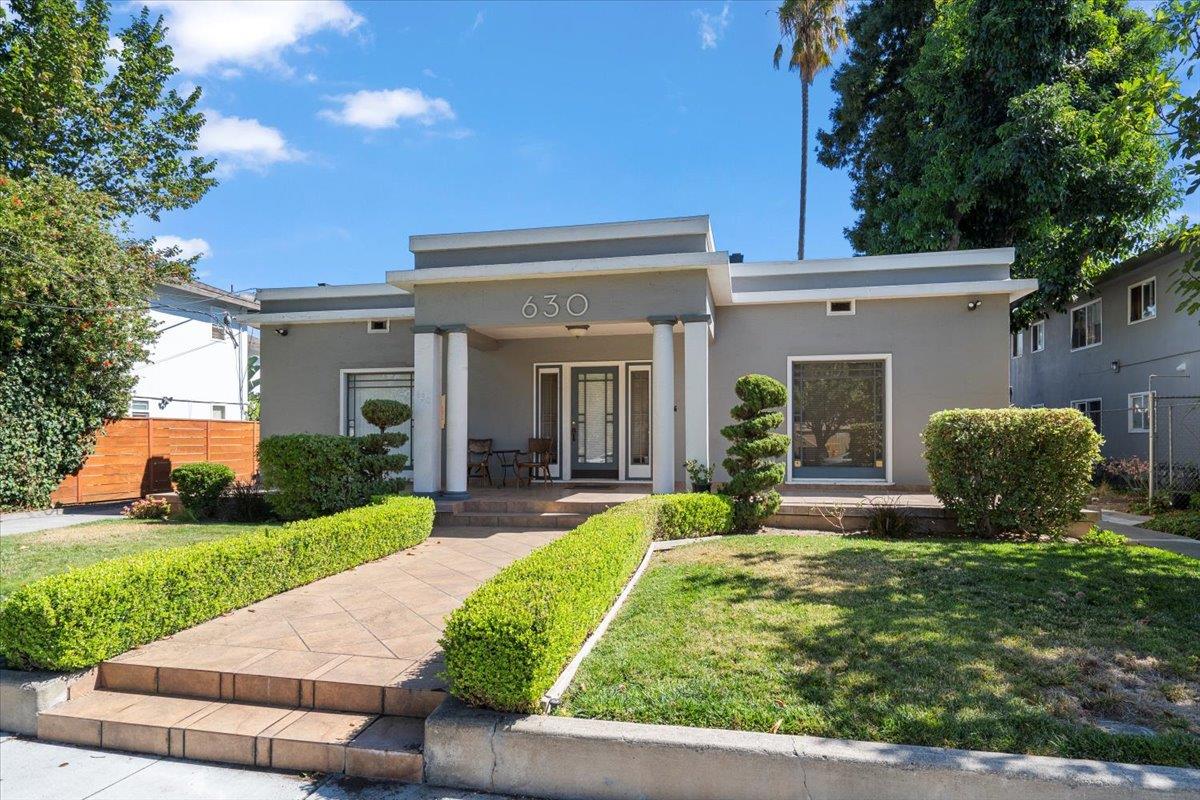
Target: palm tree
(816, 29)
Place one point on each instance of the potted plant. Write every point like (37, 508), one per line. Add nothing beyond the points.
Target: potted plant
(700, 475)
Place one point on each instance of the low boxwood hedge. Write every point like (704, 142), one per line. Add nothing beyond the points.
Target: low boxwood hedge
(76, 619)
(513, 635)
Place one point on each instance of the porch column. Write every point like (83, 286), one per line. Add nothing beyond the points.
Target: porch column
(456, 411)
(426, 411)
(695, 387)
(662, 469)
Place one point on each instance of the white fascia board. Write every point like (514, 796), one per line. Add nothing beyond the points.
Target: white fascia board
(312, 317)
(1015, 289)
(322, 292)
(632, 229)
(994, 256)
(621, 265)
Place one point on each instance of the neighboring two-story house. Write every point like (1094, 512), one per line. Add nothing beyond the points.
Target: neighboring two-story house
(1110, 350)
(197, 368)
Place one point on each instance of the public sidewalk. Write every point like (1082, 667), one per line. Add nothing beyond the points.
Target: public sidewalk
(1128, 525)
(31, 522)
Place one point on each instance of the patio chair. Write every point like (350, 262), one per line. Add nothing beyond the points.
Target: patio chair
(479, 459)
(535, 461)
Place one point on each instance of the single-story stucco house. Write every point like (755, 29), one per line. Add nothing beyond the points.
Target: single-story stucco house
(621, 343)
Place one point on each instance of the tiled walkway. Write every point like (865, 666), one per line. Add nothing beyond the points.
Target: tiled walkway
(373, 626)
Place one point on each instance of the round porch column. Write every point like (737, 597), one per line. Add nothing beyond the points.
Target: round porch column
(695, 386)
(426, 399)
(456, 411)
(662, 422)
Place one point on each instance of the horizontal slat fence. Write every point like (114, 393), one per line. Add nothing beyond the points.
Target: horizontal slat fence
(134, 457)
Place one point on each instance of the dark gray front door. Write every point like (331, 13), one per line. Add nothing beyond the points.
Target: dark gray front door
(594, 423)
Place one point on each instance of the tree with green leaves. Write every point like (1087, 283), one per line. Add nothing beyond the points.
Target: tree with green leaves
(95, 109)
(988, 123)
(753, 447)
(73, 323)
(816, 30)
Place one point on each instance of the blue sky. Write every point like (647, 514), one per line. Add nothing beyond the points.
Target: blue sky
(483, 116)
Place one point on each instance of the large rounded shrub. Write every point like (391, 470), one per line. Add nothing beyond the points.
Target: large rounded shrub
(753, 474)
(201, 485)
(312, 475)
(1012, 469)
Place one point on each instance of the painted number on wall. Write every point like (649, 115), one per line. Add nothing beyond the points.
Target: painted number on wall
(576, 305)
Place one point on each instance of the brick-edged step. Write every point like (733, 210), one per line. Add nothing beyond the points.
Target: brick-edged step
(512, 519)
(363, 745)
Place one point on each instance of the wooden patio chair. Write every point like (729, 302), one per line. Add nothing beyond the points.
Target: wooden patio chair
(479, 459)
(535, 461)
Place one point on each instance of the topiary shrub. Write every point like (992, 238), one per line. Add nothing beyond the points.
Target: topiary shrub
(753, 475)
(311, 475)
(1004, 470)
(377, 448)
(201, 485)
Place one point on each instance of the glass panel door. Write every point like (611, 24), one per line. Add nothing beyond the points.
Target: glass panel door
(638, 421)
(548, 422)
(839, 418)
(594, 422)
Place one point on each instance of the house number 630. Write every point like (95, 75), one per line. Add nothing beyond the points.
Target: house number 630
(576, 305)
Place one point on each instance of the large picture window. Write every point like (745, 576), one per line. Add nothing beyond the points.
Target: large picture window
(839, 419)
(358, 387)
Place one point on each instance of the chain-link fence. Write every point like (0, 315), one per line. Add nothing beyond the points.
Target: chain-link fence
(1173, 446)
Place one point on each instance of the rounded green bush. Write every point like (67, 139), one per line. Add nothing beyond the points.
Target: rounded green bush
(384, 414)
(201, 485)
(310, 475)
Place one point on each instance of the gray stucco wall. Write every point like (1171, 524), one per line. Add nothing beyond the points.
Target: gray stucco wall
(1056, 376)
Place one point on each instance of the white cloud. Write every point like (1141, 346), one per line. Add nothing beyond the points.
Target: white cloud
(239, 143)
(187, 247)
(245, 33)
(477, 23)
(384, 108)
(712, 26)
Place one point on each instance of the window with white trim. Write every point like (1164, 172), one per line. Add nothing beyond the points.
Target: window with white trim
(1016, 344)
(1037, 336)
(379, 326)
(1086, 330)
(839, 308)
(1142, 301)
(358, 387)
(218, 411)
(839, 419)
(1092, 409)
(1139, 412)
(139, 409)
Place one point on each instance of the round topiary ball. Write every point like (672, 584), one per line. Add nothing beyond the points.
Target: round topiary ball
(385, 414)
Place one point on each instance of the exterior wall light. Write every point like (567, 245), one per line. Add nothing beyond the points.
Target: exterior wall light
(1116, 366)
(973, 305)
(577, 330)
(281, 331)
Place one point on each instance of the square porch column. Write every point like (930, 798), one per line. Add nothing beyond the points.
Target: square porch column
(426, 410)
(662, 420)
(695, 386)
(456, 411)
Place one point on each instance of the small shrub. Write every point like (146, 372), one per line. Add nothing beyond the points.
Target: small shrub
(1012, 469)
(245, 502)
(889, 518)
(76, 619)
(753, 474)
(201, 485)
(1102, 538)
(1131, 474)
(684, 516)
(1180, 523)
(311, 475)
(148, 508)
(699, 474)
(1159, 504)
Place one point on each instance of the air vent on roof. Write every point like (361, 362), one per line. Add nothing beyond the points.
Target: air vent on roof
(736, 258)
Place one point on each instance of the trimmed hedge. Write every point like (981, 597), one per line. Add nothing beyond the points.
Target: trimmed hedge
(200, 486)
(513, 635)
(79, 618)
(1012, 469)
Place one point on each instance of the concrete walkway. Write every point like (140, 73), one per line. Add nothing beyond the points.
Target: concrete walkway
(1127, 525)
(32, 770)
(31, 522)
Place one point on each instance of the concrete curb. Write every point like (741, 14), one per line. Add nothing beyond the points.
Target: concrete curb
(23, 695)
(597, 760)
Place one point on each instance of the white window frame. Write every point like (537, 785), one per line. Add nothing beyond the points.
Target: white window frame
(387, 326)
(136, 413)
(888, 448)
(1098, 302)
(340, 427)
(1034, 329)
(1016, 341)
(1146, 411)
(829, 312)
(213, 411)
(1129, 302)
(1076, 403)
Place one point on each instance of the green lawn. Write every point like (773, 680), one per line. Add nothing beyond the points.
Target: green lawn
(1183, 523)
(28, 556)
(1006, 646)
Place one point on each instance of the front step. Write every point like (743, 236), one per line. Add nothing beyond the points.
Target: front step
(532, 506)
(512, 520)
(298, 740)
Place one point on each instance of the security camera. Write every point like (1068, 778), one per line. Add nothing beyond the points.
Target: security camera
(281, 331)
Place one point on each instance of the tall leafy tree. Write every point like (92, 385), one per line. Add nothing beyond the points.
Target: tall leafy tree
(987, 123)
(96, 111)
(816, 30)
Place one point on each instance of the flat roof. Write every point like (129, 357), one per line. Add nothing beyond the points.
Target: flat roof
(213, 293)
(629, 229)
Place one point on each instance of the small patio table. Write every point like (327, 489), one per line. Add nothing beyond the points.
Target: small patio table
(507, 460)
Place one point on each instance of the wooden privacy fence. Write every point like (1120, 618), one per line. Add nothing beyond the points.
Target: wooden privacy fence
(134, 457)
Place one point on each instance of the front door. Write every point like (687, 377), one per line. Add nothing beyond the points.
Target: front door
(594, 423)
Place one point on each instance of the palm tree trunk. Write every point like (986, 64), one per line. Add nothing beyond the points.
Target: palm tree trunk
(803, 167)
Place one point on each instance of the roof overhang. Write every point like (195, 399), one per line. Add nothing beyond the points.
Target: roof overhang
(633, 229)
(199, 289)
(1013, 289)
(322, 292)
(990, 257)
(315, 317)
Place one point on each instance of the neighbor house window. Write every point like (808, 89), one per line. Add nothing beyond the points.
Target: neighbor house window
(218, 412)
(839, 308)
(838, 419)
(1141, 302)
(1085, 326)
(359, 387)
(218, 319)
(1016, 343)
(1037, 337)
(1139, 412)
(139, 408)
(1091, 409)
(378, 326)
